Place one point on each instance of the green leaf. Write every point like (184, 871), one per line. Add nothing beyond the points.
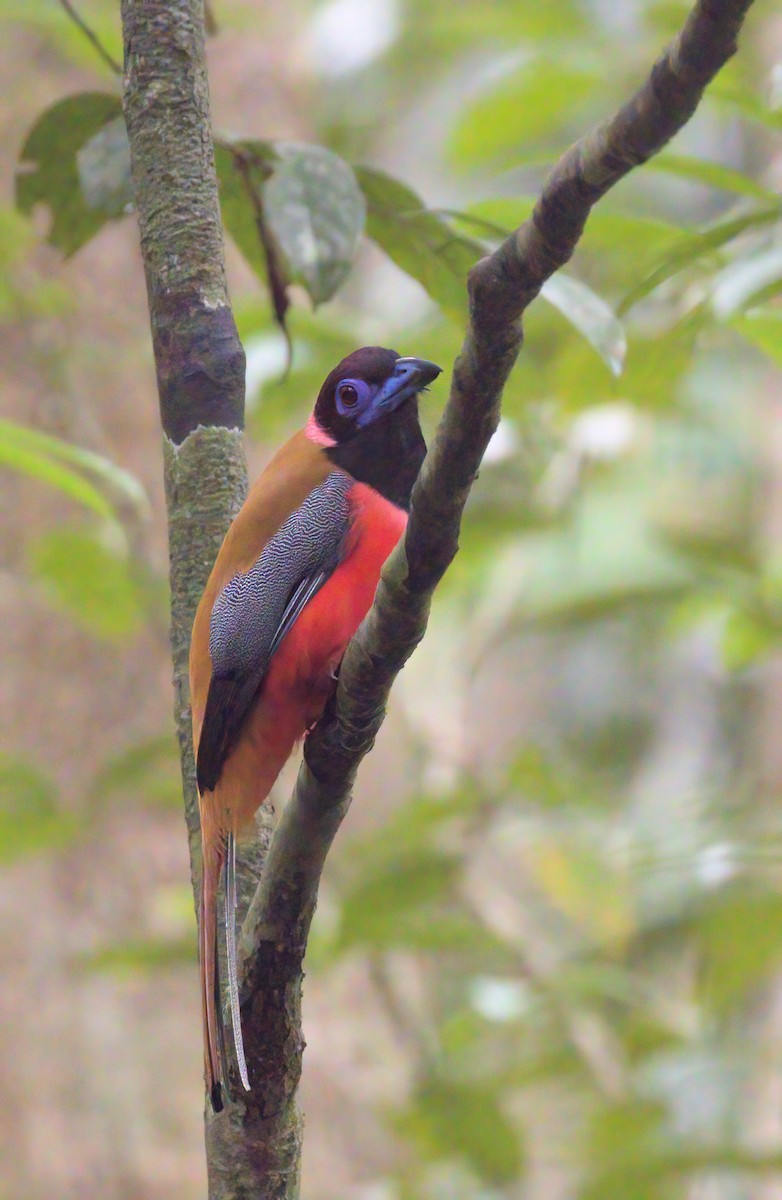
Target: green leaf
(25, 790)
(413, 827)
(25, 291)
(103, 164)
(609, 555)
(747, 104)
(498, 217)
(552, 784)
(376, 910)
(745, 640)
(236, 203)
(541, 100)
(579, 880)
(42, 455)
(428, 928)
(715, 175)
(48, 171)
(23, 835)
(625, 1145)
(61, 37)
(17, 238)
(625, 236)
(763, 328)
(740, 945)
(652, 378)
(422, 243)
(312, 207)
(315, 210)
(43, 467)
(448, 1120)
(447, 26)
(91, 581)
(613, 241)
(591, 316)
(132, 957)
(627, 1133)
(149, 770)
(536, 777)
(30, 817)
(747, 281)
(693, 246)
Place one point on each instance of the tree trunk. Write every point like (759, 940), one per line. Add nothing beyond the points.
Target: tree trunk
(253, 1147)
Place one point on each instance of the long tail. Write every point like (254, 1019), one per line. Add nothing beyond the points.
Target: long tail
(230, 948)
(210, 983)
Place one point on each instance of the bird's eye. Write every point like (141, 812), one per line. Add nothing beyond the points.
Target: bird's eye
(352, 396)
(348, 395)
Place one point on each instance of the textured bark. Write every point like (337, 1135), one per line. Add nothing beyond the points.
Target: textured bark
(501, 287)
(198, 355)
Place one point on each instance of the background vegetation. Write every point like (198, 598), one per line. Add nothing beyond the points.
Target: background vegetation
(547, 956)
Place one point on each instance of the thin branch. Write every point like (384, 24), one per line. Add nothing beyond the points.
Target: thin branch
(501, 287)
(274, 272)
(91, 37)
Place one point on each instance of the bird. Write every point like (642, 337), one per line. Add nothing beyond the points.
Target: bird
(294, 577)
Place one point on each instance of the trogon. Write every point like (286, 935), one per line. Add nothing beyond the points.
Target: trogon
(293, 579)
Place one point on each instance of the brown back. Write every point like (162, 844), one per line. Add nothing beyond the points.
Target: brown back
(297, 467)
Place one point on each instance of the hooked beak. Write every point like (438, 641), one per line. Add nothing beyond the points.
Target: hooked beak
(410, 376)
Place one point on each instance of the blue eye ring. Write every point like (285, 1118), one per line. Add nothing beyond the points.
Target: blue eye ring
(352, 395)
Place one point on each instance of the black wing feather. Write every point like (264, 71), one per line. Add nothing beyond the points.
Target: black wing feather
(255, 610)
(308, 588)
(227, 703)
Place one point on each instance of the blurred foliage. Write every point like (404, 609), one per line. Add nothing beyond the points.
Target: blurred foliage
(49, 168)
(30, 817)
(102, 588)
(593, 917)
(84, 476)
(33, 816)
(88, 570)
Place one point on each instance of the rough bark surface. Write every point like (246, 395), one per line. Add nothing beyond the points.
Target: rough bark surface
(198, 355)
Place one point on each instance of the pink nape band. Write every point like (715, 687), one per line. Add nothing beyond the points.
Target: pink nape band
(317, 434)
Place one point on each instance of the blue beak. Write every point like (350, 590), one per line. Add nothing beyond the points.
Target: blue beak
(410, 376)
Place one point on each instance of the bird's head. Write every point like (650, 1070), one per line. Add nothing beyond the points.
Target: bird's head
(371, 383)
(366, 419)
